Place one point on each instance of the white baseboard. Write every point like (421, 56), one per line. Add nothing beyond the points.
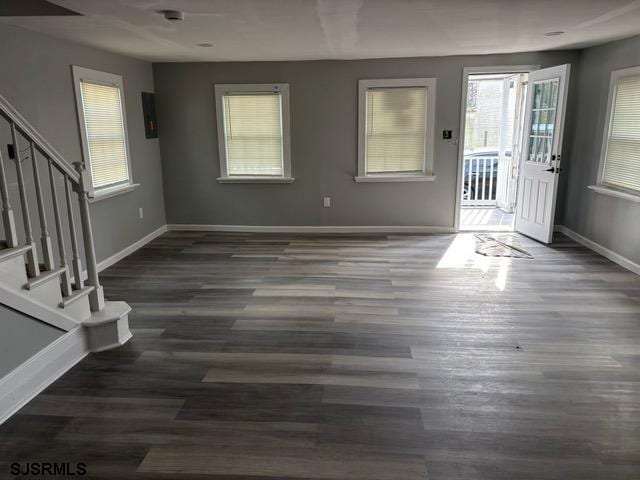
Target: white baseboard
(19, 386)
(596, 247)
(307, 228)
(116, 257)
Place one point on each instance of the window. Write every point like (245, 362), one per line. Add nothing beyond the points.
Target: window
(395, 131)
(253, 133)
(103, 127)
(620, 160)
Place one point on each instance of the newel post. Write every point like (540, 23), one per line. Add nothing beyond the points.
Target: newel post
(96, 298)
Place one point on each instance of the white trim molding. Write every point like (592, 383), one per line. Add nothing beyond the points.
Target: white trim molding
(395, 178)
(116, 257)
(112, 192)
(22, 384)
(614, 192)
(280, 89)
(429, 84)
(87, 75)
(308, 228)
(258, 179)
(599, 249)
(602, 186)
(466, 71)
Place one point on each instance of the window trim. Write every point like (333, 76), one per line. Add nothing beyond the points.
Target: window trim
(601, 186)
(283, 88)
(97, 76)
(427, 173)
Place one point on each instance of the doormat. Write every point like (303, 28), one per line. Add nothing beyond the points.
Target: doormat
(500, 246)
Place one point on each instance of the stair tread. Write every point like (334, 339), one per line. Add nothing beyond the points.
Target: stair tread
(76, 295)
(111, 312)
(44, 277)
(7, 253)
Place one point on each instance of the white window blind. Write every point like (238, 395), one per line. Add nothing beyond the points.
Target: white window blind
(622, 160)
(396, 130)
(105, 134)
(253, 134)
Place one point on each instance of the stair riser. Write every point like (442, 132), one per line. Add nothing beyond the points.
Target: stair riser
(13, 272)
(79, 309)
(48, 293)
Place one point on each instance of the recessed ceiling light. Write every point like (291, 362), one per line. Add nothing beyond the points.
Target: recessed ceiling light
(204, 44)
(553, 34)
(172, 15)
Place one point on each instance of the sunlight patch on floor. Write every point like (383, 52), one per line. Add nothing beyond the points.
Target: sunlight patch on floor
(461, 254)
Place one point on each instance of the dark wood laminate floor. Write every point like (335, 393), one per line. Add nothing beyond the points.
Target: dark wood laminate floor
(368, 358)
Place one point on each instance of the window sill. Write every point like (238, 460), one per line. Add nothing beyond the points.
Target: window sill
(394, 178)
(634, 197)
(112, 192)
(248, 179)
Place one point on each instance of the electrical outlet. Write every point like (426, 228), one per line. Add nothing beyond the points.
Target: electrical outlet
(141, 212)
(326, 202)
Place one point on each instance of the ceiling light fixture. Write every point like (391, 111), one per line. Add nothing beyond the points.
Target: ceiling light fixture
(204, 44)
(172, 15)
(553, 34)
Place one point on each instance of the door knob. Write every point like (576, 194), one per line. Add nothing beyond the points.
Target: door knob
(552, 169)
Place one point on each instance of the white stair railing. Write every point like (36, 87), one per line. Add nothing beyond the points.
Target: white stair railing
(73, 179)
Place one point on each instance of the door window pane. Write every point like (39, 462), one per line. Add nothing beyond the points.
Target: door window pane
(543, 113)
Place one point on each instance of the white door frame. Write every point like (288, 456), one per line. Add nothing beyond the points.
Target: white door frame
(466, 71)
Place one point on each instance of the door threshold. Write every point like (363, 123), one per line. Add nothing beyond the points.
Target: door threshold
(488, 229)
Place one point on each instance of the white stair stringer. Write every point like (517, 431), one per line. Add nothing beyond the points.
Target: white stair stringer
(47, 292)
(43, 300)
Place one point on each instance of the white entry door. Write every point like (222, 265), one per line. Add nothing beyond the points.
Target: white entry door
(541, 148)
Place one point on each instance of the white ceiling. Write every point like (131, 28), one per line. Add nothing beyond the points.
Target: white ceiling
(336, 29)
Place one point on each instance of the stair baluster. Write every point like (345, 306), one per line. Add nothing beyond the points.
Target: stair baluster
(51, 296)
(75, 257)
(7, 212)
(65, 279)
(33, 268)
(47, 248)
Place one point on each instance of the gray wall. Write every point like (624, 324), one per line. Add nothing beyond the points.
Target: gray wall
(323, 143)
(612, 222)
(21, 338)
(36, 79)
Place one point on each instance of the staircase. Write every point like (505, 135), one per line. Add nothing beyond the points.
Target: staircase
(47, 257)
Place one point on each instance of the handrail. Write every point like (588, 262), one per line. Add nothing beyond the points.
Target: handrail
(74, 179)
(9, 112)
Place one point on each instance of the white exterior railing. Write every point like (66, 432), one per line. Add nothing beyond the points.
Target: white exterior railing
(480, 176)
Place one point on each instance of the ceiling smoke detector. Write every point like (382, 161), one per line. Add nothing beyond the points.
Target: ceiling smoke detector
(173, 15)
